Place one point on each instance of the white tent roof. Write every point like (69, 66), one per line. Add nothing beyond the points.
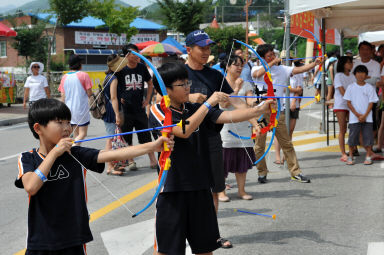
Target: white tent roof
(376, 38)
(352, 16)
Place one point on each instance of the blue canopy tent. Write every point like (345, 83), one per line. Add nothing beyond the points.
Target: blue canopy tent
(173, 42)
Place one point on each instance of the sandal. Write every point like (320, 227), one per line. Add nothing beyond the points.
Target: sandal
(246, 197)
(350, 161)
(224, 199)
(114, 172)
(344, 158)
(368, 161)
(222, 244)
(278, 162)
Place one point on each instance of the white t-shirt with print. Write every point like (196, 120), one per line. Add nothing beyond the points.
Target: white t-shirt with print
(373, 70)
(36, 85)
(280, 75)
(296, 80)
(342, 80)
(360, 97)
(240, 128)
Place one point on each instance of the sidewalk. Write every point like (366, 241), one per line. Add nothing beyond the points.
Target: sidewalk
(13, 115)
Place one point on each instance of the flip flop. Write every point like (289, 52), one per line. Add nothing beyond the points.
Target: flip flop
(115, 172)
(222, 242)
(342, 159)
(278, 162)
(368, 161)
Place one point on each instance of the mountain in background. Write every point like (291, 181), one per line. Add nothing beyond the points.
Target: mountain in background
(39, 6)
(8, 7)
(152, 12)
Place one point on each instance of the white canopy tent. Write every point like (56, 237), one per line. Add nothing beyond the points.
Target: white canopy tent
(351, 16)
(376, 38)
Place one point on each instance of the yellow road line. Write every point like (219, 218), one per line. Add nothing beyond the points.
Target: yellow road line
(114, 205)
(307, 104)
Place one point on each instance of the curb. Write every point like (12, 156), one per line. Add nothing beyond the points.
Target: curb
(14, 121)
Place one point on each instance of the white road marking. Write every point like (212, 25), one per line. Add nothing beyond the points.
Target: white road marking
(9, 157)
(375, 248)
(14, 126)
(133, 239)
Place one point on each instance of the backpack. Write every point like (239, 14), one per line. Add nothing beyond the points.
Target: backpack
(97, 104)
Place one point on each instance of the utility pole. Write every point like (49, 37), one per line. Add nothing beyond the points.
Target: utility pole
(287, 43)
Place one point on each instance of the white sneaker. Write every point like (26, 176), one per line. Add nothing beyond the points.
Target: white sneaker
(132, 166)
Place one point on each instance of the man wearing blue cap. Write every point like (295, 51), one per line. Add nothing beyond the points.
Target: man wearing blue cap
(206, 81)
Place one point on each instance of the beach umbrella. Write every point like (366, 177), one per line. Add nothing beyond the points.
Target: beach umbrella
(160, 50)
(143, 45)
(6, 31)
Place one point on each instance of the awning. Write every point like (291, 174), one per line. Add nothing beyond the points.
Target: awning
(6, 31)
(92, 51)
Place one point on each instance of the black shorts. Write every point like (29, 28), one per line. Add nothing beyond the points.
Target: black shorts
(75, 250)
(294, 114)
(185, 215)
(135, 120)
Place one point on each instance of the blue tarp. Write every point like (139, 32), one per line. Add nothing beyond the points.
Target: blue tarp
(91, 22)
(173, 42)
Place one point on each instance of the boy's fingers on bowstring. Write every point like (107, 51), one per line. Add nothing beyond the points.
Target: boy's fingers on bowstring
(65, 144)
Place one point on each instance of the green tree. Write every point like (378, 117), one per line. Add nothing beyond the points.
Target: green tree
(30, 42)
(224, 37)
(116, 17)
(185, 16)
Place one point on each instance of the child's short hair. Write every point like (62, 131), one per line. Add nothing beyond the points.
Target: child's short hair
(264, 49)
(341, 63)
(44, 110)
(170, 72)
(360, 69)
(128, 47)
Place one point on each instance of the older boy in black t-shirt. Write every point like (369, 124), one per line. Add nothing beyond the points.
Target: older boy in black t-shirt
(131, 78)
(54, 176)
(185, 208)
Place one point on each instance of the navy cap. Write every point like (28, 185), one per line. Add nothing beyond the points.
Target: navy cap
(222, 56)
(198, 37)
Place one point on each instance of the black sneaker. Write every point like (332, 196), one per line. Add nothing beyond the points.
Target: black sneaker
(300, 178)
(262, 179)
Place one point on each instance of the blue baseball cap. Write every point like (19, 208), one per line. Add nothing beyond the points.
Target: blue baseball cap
(198, 37)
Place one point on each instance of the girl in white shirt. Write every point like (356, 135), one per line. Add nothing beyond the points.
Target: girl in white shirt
(36, 85)
(343, 79)
(238, 154)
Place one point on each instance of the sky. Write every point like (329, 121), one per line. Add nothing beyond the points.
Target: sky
(16, 3)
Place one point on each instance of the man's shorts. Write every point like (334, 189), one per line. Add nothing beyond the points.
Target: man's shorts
(354, 133)
(76, 250)
(185, 215)
(294, 114)
(136, 120)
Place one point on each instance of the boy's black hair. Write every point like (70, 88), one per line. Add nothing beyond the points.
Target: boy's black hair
(170, 72)
(366, 44)
(44, 110)
(360, 69)
(229, 61)
(128, 47)
(264, 49)
(341, 62)
(298, 63)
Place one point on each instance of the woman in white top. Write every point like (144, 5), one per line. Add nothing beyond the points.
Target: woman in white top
(36, 85)
(75, 88)
(238, 153)
(343, 79)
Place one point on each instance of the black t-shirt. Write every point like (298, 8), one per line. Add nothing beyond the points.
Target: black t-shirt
(57, 215)
(207, 81)
(190, 165)
(133, 85)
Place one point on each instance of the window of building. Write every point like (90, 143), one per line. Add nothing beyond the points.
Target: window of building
(3, 48)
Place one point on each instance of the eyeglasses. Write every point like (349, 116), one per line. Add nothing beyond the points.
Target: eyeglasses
(36, 67)
(185, 85)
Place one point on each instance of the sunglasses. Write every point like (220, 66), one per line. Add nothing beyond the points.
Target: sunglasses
(185, 85)
(36, 67)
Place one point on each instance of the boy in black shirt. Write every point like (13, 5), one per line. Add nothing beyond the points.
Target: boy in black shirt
(185, 208)
(54, 178)
(132, 78)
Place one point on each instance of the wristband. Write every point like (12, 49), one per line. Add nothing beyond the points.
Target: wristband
(41, 175)
(207, 105)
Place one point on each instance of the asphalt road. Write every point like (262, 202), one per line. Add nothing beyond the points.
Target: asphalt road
(340, 212)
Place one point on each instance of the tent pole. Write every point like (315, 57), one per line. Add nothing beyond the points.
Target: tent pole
(341, 43)
(287, 56)
(323, 84)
